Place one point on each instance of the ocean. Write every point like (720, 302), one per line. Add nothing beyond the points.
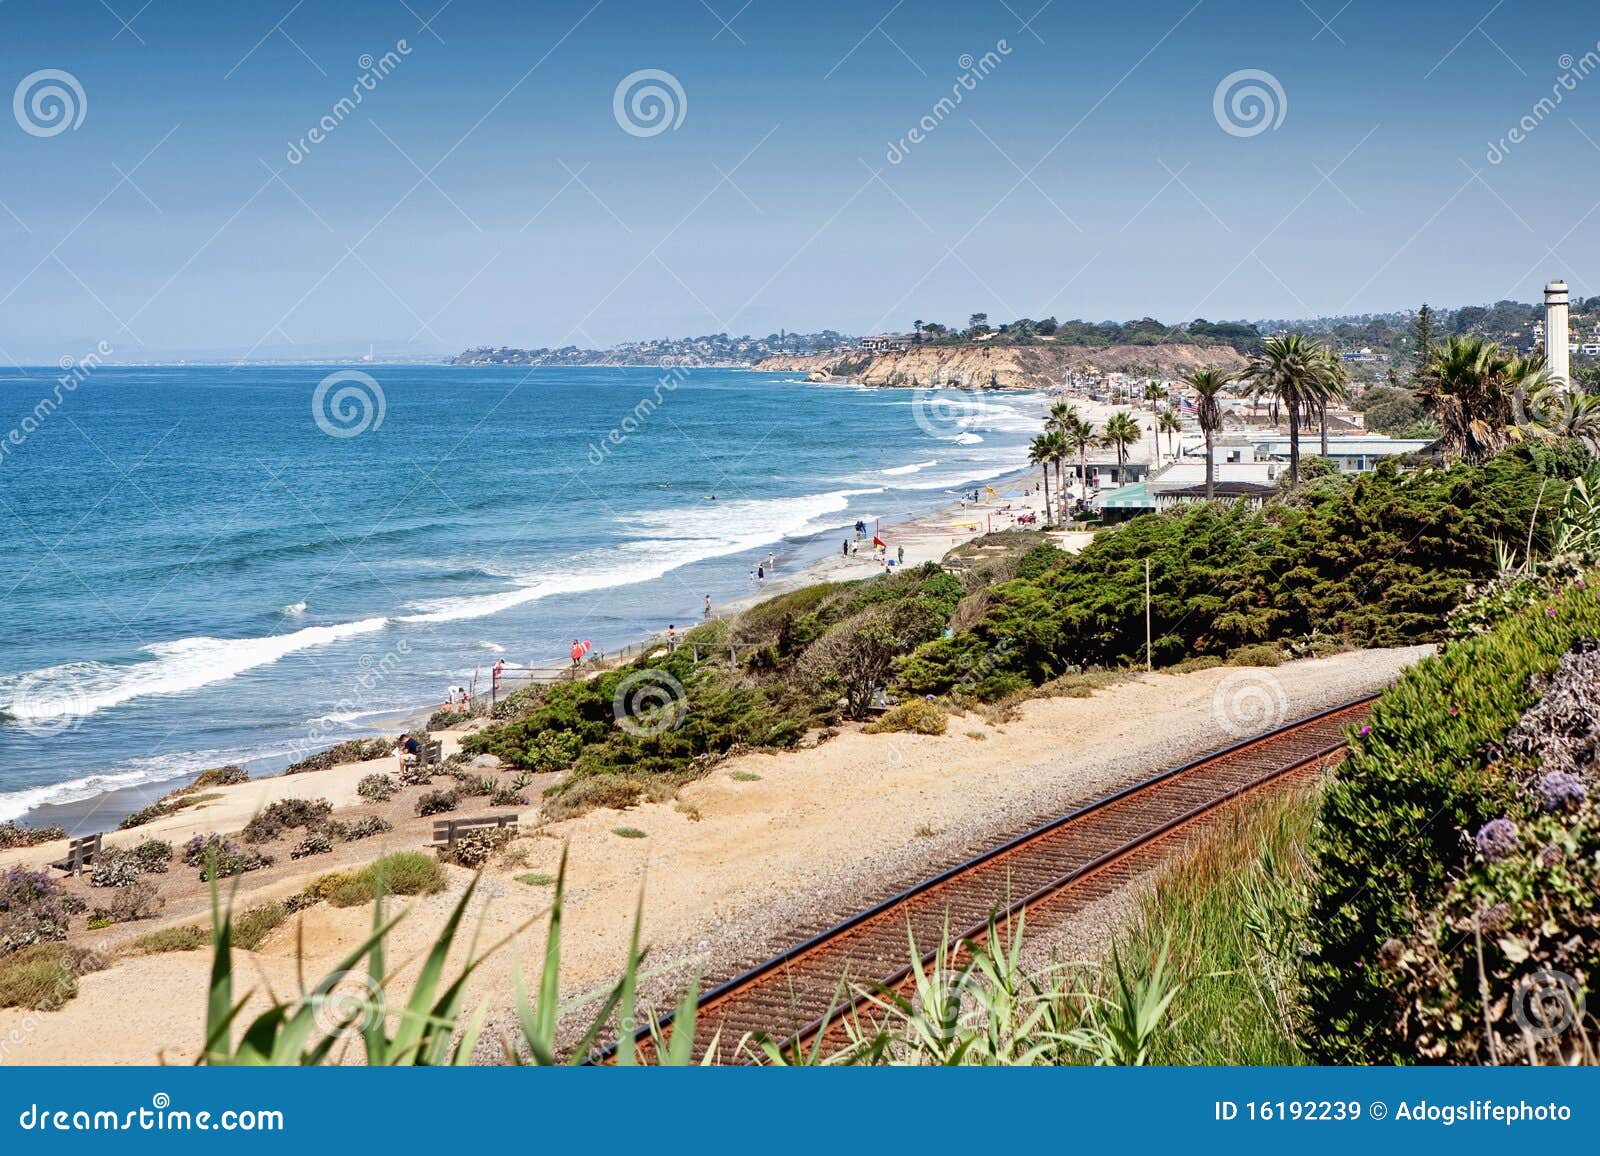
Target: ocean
(213, 565)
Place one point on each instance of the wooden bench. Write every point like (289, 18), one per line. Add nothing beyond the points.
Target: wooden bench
(80, 853)
(447, 831)
(432, 753)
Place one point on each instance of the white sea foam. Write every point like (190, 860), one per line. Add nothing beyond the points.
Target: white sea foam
(293, 610)
(133, 773)
(81, 688)
(667, 540)
(914, 467)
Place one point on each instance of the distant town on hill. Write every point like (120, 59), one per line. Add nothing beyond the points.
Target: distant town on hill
(1374, 339)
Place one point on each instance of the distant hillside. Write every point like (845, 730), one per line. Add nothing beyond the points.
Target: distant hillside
(990, 365)
(712, 350)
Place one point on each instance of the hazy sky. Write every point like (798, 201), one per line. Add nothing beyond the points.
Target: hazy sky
(487, 191)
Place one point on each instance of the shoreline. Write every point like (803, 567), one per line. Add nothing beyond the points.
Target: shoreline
(922, 536)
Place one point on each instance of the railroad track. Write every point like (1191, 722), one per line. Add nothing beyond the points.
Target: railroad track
(1065, 863)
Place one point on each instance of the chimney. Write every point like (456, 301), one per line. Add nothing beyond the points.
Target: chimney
(1555, 331)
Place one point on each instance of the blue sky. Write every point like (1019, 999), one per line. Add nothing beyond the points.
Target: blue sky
(484, 191)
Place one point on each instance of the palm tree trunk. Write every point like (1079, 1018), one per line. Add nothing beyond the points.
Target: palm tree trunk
(1083, 472)
(1046, 468)
(1323, 408)
(1294, 445)
(1210, 469)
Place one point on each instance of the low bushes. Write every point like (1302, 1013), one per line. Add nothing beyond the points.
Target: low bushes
(1422, 775)
(354, 751)
(11, 835)
(437, 802)
(33, 909)
(379, 788)
(136, 900)
(402, 873)
(475, 848)
(161, 808)
(285, 815)
(219, 858)
(250, 929)
(45, 976)
(914, 716)
(190, 938)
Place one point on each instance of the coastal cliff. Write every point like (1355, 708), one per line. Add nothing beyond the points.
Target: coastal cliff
(1003, 366)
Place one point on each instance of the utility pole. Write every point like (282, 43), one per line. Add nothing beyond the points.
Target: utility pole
(1147, 665)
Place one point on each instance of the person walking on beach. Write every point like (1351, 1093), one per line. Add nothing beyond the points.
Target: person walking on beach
(772, 561)
(708, 608)
(761, 575)
(901, 556)
(672, 638)
(844, 548)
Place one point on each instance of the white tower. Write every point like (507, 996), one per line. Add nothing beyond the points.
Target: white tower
(1555, 331)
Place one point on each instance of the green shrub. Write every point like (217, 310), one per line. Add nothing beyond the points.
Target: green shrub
(285, 815)
(1417, 777)
(316, 843)
(228, 776)
(153, 856)
(628, 832)
(173, 803)
(44, 977)
(1257, 654)
(401, 873)
(536, 879)
(251, 928)
(12, 835)
(137, 900)
(437, 802)
(553, 751)
(1378, 560)
(190, 938)
(914, 716)
(354, 751)
(443, 720)
(378, 787)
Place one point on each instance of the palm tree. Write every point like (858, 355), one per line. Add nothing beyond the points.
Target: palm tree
(1060, 451)
(1080, 435)
(1041, 453)
(1121, 432)
(1169, 423)
(1056, 421)
(1208, 385)
(1333, 389)
(1154, 392)
(1475, 389)
(1292, 371)
(1554, 411)
(917, 325)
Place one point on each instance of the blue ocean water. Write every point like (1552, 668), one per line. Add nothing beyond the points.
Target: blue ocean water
(223, 564)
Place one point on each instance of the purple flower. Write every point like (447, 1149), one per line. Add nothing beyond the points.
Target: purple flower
(1560, 791)
(1366, 730)
(1497, 839)
(1551, 612)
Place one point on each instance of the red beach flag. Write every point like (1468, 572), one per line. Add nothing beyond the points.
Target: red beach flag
(879, 542)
